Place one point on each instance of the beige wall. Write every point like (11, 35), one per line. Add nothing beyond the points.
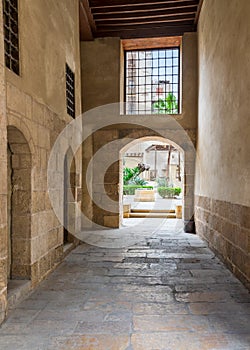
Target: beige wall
(223, 168)
(48, 37)
(224, 84)
(101, 83)
(36, 114)
(3, 179)
(101, 65)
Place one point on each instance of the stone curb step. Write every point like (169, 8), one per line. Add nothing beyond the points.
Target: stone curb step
(165, 211)
(151, 215)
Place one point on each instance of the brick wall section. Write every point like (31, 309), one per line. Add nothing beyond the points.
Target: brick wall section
(3, 179)
(226, 227)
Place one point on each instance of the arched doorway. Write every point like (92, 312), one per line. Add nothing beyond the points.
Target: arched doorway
(159, 182)
(19, 205)
(69, 196)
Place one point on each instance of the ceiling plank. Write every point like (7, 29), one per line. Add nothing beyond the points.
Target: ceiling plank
(148, 19)
(129, 9)
(108, 3)
(148, 32)
(159, 12)
(147, 24)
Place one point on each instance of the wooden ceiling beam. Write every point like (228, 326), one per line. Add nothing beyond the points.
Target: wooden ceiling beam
(145, 24)
(129, 9)
(109, 3)
(148, 14)
(148, 19)
(148, 32)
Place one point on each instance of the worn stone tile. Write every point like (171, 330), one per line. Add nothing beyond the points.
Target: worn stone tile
(168, 292)
(171, 323)
(229, 308)
(90, 342)
(187, 341)
(21, 316)
(160, 309)
(105, 327)
(208, 296)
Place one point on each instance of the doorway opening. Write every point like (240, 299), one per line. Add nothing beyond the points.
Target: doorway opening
(69, 197)
(152, 180)
(19, 209)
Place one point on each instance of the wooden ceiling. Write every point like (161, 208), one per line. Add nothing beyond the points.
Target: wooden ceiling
(129, 19)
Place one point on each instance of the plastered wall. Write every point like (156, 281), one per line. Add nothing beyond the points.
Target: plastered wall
(3, 179)
(101, 66)
(36, 114)
(223, 148)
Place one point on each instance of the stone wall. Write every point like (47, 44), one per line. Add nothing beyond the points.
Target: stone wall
(226, 226)
(222, 168)
(102, 67)
(3, 179)
(36, 114)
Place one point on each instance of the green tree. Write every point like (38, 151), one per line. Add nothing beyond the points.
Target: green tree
(168, 105)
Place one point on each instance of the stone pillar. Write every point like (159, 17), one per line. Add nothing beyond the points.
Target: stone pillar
(3, 178)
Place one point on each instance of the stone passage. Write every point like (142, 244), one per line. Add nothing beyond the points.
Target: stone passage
(169, 292)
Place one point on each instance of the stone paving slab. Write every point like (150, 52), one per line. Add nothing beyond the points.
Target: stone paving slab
(168, 292)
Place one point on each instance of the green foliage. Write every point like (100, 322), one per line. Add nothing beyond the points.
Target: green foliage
(177, 191)
(168, 105)
(129, 173)
(162, 182)
(130, 189)
(138, 181)
(169, 192)
(131, 176)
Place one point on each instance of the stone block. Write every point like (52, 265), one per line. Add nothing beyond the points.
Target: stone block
(3, 240)
(52, 238)
(111, 221)
(21, 201)
(3, 209)
(25, 161)
(44, 137)
(38, 201)
(21, 249)
(16, 100)
(38, 112)
(21, 271)
(21, 226)
(3, 272)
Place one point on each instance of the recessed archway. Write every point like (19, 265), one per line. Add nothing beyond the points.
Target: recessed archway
(69, 196)
(156, 172)
(19, 205)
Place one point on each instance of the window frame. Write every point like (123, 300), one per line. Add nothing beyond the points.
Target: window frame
(7, 55)
(147, 44)
(71, 110)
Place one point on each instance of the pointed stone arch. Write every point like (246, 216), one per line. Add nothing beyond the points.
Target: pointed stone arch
(19, 204)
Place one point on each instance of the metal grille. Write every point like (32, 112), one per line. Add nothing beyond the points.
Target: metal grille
(70, 91)
(152, 81)
(10, 18)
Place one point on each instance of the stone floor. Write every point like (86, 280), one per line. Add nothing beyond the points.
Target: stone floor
(167, 292)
